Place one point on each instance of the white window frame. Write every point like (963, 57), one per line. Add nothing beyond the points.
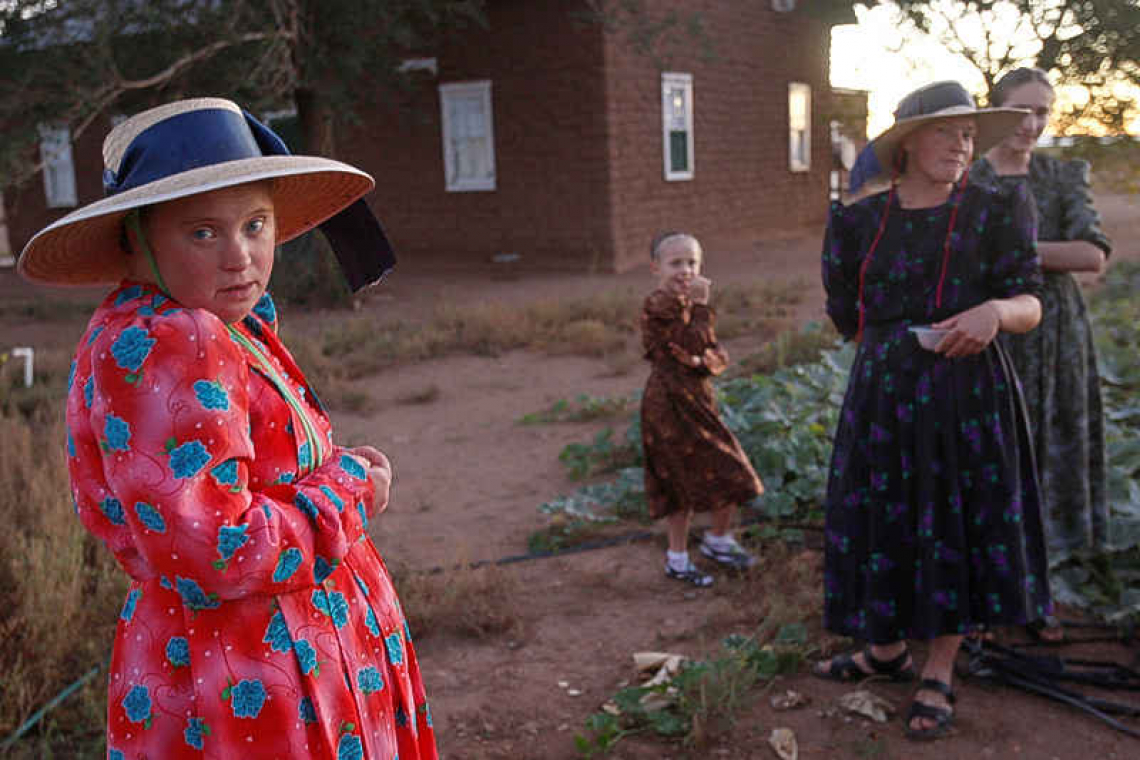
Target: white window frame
(671, 81)
(481, 89)
(799, 127)
(58, 166)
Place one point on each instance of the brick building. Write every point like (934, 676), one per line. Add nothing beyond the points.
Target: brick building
(569, 146)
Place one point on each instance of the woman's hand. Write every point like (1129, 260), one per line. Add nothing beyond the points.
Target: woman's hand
(380, 470)
(970, 331)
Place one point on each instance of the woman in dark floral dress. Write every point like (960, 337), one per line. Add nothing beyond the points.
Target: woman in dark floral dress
(1057, 362)
(692, 461)
(932, 506)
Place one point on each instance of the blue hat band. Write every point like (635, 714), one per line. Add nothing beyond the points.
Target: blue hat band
(191, 140)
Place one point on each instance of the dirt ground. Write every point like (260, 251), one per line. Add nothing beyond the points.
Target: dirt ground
(468, 479)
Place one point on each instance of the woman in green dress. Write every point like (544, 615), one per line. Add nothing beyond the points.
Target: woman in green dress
(1057, 362)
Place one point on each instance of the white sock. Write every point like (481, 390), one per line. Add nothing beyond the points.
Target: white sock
(723, 542)
(679, 561)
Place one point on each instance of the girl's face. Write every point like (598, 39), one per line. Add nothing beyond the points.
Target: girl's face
(214, 249)
(678, 264)
(1038, 99)
(940, 151)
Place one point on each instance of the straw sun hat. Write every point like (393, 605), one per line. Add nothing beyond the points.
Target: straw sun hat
(181, 149)
(939, 100)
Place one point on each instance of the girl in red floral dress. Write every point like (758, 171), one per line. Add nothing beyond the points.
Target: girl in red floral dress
(260, 621)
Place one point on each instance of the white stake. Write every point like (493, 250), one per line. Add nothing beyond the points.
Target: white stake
(29, 355)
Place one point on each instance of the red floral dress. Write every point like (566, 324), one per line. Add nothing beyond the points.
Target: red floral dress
(261, 621)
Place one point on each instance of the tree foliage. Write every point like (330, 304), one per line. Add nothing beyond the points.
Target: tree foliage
(1091, 43)
(72, 61)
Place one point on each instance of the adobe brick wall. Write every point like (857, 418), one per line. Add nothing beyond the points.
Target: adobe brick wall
(742, 187)
(25, 207)
(548, 100)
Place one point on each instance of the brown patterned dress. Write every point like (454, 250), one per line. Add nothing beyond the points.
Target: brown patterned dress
(692, 461)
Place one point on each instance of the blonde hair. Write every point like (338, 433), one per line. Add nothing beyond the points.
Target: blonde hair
(664, 237)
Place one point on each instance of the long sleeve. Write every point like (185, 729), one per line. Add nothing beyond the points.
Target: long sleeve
(162, 455)
(1011, 240)
(844, 246)
(667, 319)
(1080, 220)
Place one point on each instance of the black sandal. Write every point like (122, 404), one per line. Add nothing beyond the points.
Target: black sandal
(845, 669)
(943, 717)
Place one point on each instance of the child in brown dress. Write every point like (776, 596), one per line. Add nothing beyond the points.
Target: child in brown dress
(692, 461)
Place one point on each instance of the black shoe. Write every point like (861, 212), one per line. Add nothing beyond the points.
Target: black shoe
(690, 575)
(733, 557)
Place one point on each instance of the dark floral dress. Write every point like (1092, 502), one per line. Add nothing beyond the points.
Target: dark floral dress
(1057, 364)
(933, 523)
(692, 461)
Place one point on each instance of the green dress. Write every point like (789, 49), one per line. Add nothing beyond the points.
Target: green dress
(1056, 364)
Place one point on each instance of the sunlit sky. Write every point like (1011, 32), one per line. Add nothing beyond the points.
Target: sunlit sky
(888, 61)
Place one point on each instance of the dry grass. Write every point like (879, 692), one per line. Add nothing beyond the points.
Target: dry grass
(55, 580)
(472, 603)
(599, 326)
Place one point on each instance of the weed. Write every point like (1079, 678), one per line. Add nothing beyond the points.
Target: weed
(425, 395)
(468, 602)
(582, 409)
(699, 703)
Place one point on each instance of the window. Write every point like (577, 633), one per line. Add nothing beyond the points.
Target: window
(59, 170)
(677, 125)
(468, 136)
(799, 127)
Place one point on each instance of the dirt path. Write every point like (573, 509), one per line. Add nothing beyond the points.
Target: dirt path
(469, 479)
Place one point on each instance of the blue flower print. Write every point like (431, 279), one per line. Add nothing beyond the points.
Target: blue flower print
(321, 569)
(114, 754)
(363, 513)
(332, 604)
(349, 748)
(336, 500)
(287, 564)
(113, 509)
(338, 609)
(193, 733)
(165, 582)
(117, 433)
(248, 697)
(371, 622)
(320, 600)
(89, 391)
(231, 538)
(94, 334)
(277, 634)
(401, 717)
(265, 308)
(131, 348)
(193, 596)
(128, 294)
(286, 477)
(150, 517)
(425, 708)
(352, 467)
(211, 395)
(70, 445)
(129, 607)
(178, 651)
(395, 648)
(407, 632)
(306, 505)
(306, 657)
(305, 456)
(137, 704)
(71, 374)
(226, 473)
(369, 680)
(188, 459)
(305, 711)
